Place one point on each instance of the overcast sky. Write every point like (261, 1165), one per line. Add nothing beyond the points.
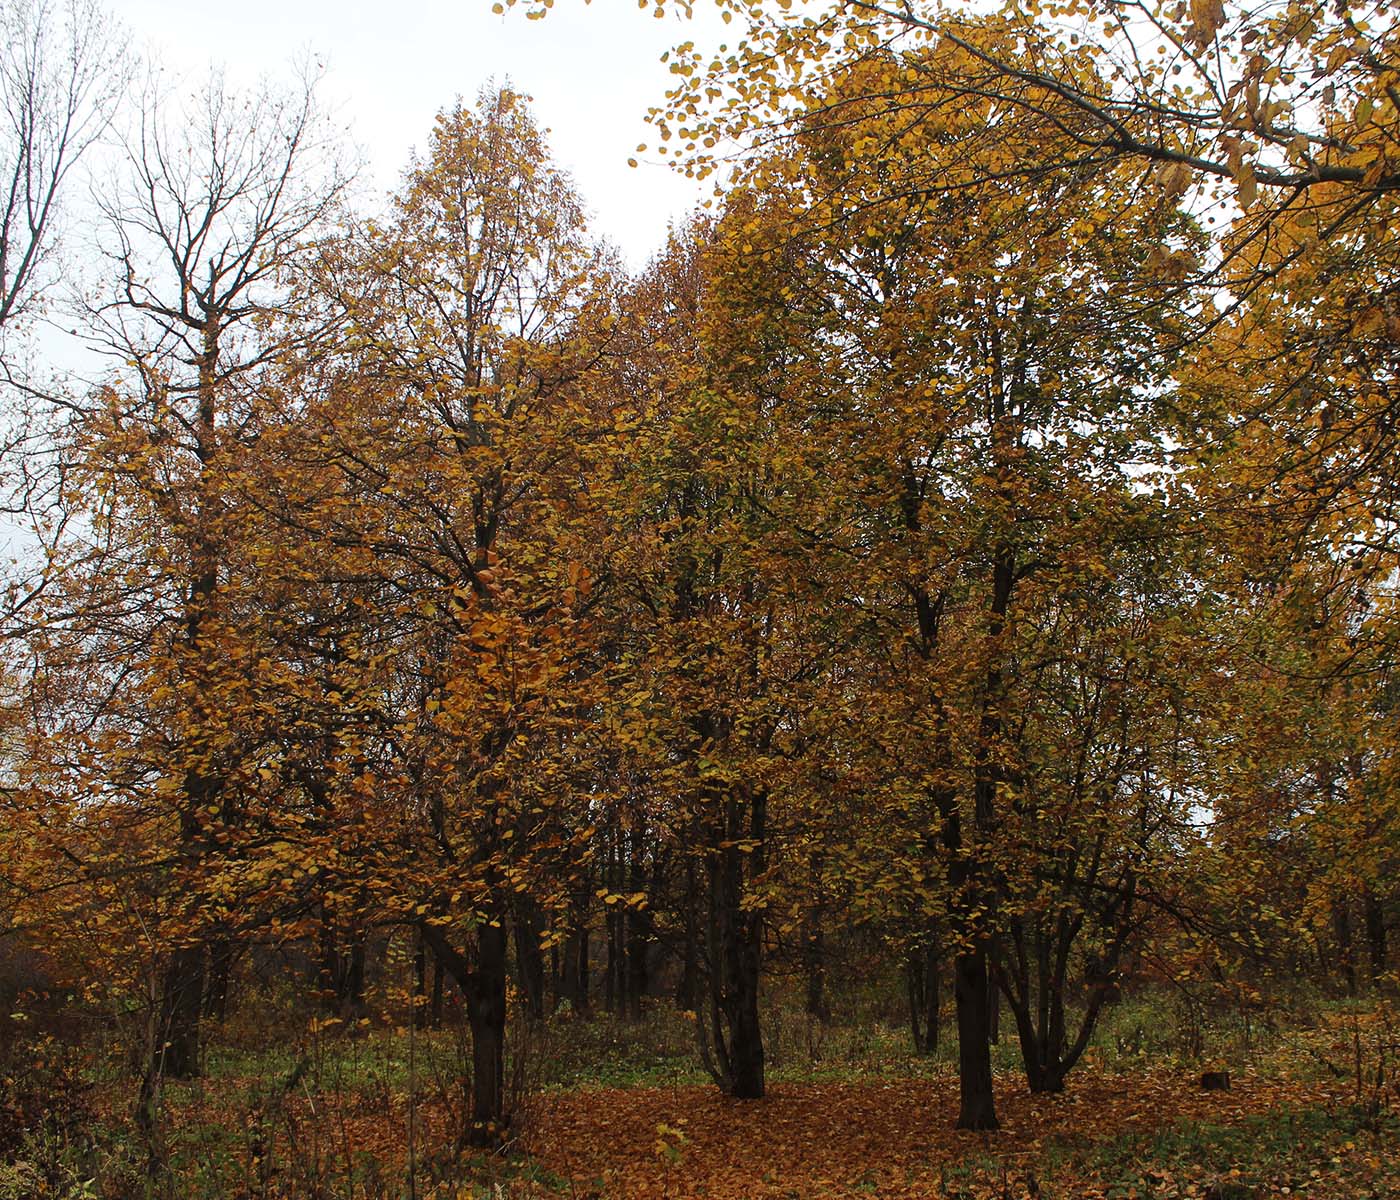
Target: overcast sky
(593, 72)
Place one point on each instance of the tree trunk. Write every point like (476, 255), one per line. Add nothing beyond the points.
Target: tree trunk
(529, 958)
(182, 995)
(735, 948)
(576, 969)
(814, 944)
(977, 1109)
(688, 989)
(1346, 953)
(1375, 934)
(925, 995)
(638, 928)
(420, 984)
(435, 1006)
(993, 1013)
(486, 1014)
(613, 980)
(352, 982)
(814, 965)
(481, 980)
(217, 985)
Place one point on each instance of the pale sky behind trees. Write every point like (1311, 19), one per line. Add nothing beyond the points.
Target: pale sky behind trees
(592, 71)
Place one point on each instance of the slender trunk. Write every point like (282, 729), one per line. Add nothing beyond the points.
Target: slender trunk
(814, 965)
(352, 981)
(1375, 933)
(993, 1013)
(582, 972)
(612, 923)
(976, 1108)
(435, 1008)
(736, 938)
(925, 997)
(529, 958)
(814, 945)
(1346, 955)
(330, 974)
(688, 991)
(638, 927)
(176, 1052)
(420, 984)
(568, 978)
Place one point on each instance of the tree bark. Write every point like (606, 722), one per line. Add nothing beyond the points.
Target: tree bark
(481, 979)
(925, 994)
(735, 946)
(1375, 933)
(1346, 950)
(486, 1013)
(977, 1108)
(217, 985)
(182, 995)
(529, 958)
(638, 927)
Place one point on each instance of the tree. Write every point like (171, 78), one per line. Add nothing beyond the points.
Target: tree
(978, 365)
(1288, 98)
(58, 90)
(217, 203)
(452, 439)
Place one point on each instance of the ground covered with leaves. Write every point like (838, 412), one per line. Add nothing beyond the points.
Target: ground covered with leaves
(1111, 1135)
(617, 1111)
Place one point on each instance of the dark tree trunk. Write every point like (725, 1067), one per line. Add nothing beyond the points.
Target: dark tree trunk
(638, 926)
(1375, 933)
(814, 966)
(1032, 972)
(481, 979)
(435, 1007)
(217, 986)
(977, 1108)
(576, 969)
(733, 1046)
(486, 1013)
(352, 992)
(993, 1013)
(1346, 950)
(925, 995)
(613, 977)
(420, 984)
(332, 967)
(814, 945)
(182, 995)
(529, 958)
(688, 988)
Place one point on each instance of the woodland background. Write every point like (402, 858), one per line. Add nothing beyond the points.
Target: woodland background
(473, 718)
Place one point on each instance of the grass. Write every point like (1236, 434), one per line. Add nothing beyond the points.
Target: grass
(343, 1130)
(1284, 1151)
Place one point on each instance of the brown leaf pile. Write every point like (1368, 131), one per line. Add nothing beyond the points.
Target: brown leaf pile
(890, 1138)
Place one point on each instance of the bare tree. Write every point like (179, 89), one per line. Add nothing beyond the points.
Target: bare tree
(220, 199)
(61, 76)
(58, 88)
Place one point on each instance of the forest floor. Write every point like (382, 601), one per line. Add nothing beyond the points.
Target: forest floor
(616, 1111)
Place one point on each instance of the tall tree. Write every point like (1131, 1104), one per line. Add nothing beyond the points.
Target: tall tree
(213, 207)
(455, 431)
(62, 74)
(977, 362)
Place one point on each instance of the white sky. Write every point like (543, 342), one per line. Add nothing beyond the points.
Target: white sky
(592, 70)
